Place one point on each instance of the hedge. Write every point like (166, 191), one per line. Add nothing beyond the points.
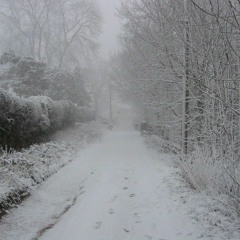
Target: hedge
(24, 121)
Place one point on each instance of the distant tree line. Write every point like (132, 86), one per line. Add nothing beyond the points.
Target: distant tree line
(28, 77)
(58, 32)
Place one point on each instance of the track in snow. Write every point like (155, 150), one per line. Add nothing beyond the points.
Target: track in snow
(126, 197)
(114, 190)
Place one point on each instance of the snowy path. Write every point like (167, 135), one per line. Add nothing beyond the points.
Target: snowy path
(125, 198)
(115, 189)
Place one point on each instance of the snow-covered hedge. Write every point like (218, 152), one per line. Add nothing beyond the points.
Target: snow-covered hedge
(24, 121)
(21, 171)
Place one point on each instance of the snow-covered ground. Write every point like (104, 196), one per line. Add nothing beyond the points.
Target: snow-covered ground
(22, 171)
(115, 189)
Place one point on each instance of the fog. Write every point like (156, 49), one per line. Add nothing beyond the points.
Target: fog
(60, 49)
(110, 28)
(129, 74)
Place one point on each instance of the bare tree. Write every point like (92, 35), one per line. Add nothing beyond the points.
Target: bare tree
(54, 30)
(187, 56)
(28, 18)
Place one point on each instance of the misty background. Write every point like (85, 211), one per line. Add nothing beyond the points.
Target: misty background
(111, 27)
(174, 63)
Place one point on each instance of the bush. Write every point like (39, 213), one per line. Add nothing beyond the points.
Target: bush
(85, 114)
(218, 176)
(153, 129)
(28, 77)
(24, 121)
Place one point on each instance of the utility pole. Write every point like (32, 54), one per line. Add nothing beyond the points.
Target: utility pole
(186, 91)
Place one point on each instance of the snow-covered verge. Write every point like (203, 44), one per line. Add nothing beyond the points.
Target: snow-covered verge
(21, 171)
(202, 185)
(217, 180)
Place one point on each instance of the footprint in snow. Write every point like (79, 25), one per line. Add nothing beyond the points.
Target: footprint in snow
(111, 211)
(114, 198)
(98, 225)
(136, 215)
(125, 188)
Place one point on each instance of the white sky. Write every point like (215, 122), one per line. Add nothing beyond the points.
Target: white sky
(111, 27)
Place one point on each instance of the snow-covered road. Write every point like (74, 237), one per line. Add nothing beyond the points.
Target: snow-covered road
(115, 189)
